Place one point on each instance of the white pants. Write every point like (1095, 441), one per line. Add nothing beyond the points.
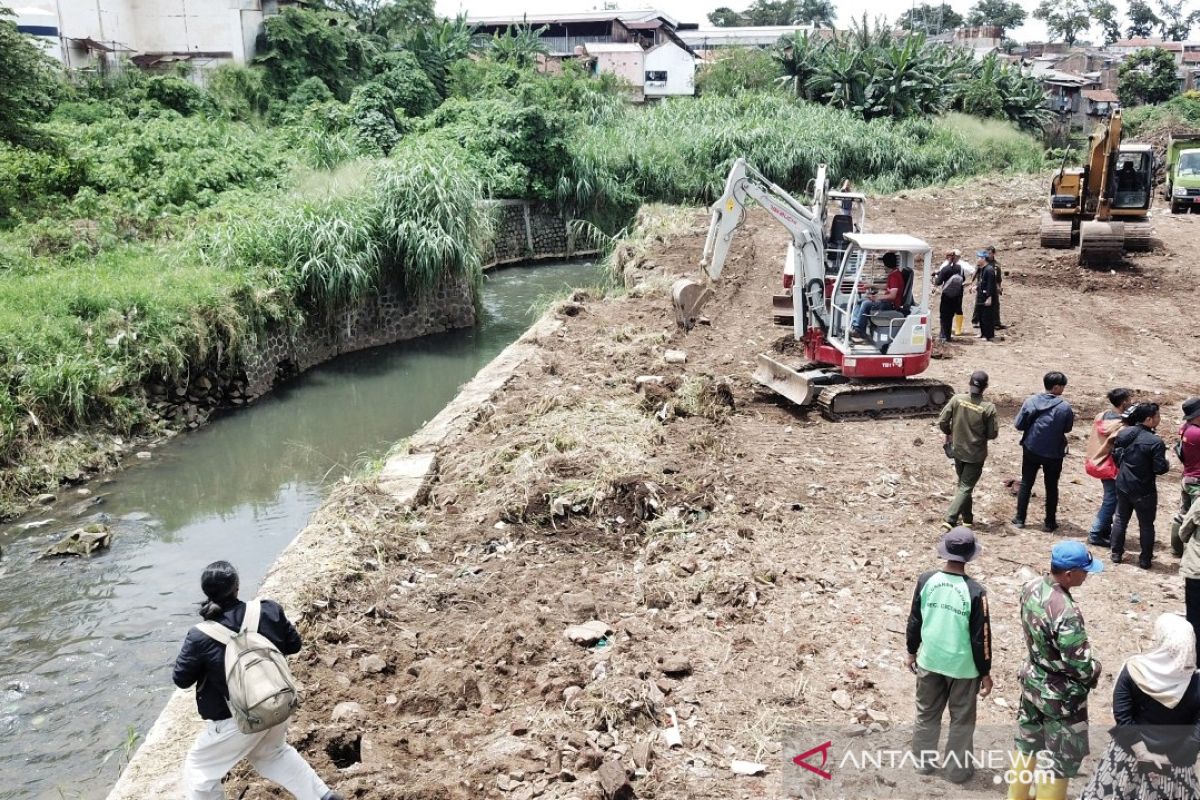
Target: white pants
(221, 746)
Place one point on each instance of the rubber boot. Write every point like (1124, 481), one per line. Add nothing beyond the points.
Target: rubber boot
(1052, 788)
(1022, 768)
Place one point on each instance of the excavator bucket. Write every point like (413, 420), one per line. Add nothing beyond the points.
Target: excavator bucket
(785, 381)
(688, 297)
(783, 310)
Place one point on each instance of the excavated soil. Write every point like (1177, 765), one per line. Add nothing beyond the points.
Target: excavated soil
(752, 564)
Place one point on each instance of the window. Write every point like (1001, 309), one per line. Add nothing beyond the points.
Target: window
(656, 76)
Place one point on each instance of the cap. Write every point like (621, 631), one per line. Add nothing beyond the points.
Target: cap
(958, 545)
(1070, 554)
(979, 378)
(1191, 408)
(981, 253)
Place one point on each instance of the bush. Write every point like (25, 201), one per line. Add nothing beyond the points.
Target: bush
(310, 91)
(175, 93)
(410, 87)
(34, 181)
(737, 70)
(238, 92)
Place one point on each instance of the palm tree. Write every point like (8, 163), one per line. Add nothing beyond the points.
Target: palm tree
(439, 45)
(520, 45)
(799, 56)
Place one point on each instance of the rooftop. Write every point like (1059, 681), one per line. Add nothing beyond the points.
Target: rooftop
(1101, 95)
(639, 17)
(889, 241)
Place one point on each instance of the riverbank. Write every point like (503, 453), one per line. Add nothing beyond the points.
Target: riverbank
(715, 533)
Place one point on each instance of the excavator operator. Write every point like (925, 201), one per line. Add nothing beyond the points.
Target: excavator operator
(891, 299)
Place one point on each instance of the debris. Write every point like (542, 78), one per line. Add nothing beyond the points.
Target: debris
(347, 710)
(675, 666)
(740, 767)
(614, 783)
(675, 357)
(588, 633)
(144, 455)
(641, 753)
(32, 526)
(671, 734)
(372, 664)
(81, 542)
(841, 699)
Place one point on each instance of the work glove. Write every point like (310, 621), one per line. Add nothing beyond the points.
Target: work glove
(1142, 754)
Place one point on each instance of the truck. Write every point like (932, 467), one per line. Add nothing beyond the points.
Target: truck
(1183, 171)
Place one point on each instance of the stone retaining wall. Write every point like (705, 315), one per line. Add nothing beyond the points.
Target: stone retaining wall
(528, 232)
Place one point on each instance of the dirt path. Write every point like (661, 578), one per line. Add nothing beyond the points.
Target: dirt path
(754, 565)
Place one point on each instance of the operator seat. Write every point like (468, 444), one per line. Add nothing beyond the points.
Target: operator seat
(841, 225)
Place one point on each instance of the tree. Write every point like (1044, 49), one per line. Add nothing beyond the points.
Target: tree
(818, 13)
(1065, 19)
(29, 85)
(439, 45)
(386, 18)
(1147, 76)
(725, 17)
(1142, 20)
(1105, 15)
(298, 44)
(1001, 13)
(738, 70)
(1174, 24)
(930, 19)
(519, 46)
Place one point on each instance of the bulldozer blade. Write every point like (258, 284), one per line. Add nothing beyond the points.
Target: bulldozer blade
(688, 297)
(783, 310)
(784, 380)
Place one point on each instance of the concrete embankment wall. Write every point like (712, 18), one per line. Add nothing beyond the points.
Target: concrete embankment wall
(317, 557)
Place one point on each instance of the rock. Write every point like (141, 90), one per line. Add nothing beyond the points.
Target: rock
(588, 633)
(841, 699)
(878, 716)
(739, 767)
(642, 753)
(589, 758)
(81, 542)
(580, 604)
(83, 492)
(675, 666)
(642, 380)
(503, 783)
(675, 357)
(519, 728)
(45, 499)
(144, 455)
(347, 710)
(614, 783)
(372, 664)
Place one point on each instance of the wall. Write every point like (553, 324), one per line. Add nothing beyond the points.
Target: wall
(680, 67)
(527, 232)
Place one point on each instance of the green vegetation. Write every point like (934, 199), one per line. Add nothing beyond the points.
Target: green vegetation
(151, 226)
(1147, 76)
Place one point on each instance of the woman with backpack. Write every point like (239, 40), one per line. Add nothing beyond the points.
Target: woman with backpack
(1141, 457)
(234, 729)
(950, 277)
(1098, 463)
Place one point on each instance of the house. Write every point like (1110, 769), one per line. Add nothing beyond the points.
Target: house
(86, 34)
(1099, 102)
(1064, 94)
(644, 48)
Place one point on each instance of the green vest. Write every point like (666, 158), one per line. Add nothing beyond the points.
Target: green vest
(946, 627)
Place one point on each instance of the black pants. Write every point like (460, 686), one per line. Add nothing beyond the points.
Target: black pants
(947, 309)
(985, 320)
(1146, 508)
(1051, 470)
(1191, 599)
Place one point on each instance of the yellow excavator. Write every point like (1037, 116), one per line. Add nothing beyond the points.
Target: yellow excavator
(1104, 205)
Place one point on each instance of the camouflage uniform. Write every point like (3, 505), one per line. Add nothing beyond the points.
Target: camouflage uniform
(1056, 677)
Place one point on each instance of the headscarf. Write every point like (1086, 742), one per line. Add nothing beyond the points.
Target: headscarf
(1165, 671)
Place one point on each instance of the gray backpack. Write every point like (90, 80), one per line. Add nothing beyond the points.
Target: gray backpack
(262, 693)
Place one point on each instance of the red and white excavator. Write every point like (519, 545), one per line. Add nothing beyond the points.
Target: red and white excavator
(833, 272)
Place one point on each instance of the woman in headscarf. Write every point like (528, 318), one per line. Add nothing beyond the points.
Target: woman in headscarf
(1156, 704)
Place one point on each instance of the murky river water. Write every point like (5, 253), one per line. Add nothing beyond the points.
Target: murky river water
(86, 645)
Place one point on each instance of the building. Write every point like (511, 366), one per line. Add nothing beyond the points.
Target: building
(85, 34)
(644, 48)
(760, 36)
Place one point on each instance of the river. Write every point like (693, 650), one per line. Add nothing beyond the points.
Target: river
(86, 645)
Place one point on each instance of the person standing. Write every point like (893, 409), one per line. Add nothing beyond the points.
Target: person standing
(950, 277)
(1044, 420)
(1189, 453)
(1098, 463)
(949, 639)
(1056, 677)
(1141, 457)
(986, 296)
(1156, 705)
(221, 745)
(1189, 567)
(990, 256)
(969, 422)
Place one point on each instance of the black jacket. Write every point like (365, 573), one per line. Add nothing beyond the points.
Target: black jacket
(986, 283)
(1140, 456)
(202, 659)
(1173, 732)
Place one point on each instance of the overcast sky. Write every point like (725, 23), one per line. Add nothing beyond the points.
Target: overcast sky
(697, 10)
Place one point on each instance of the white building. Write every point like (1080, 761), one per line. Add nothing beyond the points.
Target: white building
(670, 71)
(89, 33)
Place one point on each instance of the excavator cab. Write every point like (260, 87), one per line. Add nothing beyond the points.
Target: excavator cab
(849, 213)
(1133, 175)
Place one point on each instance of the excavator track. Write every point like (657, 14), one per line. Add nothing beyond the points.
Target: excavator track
(1056, 234)
(915, 397)
(1139, 237)
(1101, 244)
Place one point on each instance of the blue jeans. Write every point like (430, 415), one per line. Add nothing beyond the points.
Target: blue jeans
(866, 308)
(1102, 525)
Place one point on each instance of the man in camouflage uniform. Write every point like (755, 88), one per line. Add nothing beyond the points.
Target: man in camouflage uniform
(1056, 677)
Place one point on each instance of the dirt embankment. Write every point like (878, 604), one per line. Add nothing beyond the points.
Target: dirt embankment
(751, 565)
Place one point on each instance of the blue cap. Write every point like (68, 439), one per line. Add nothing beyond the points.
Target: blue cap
(1074, 555)
(981, 253)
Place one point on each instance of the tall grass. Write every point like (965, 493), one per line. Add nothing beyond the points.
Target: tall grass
(680, 151)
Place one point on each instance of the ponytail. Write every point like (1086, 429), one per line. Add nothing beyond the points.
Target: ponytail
(219, 582)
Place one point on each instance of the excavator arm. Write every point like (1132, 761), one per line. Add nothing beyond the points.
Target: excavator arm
(743, 186)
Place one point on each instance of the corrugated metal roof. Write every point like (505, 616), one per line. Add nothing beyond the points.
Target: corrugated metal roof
(595, 48)
(1101, 95)
(552, 18)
